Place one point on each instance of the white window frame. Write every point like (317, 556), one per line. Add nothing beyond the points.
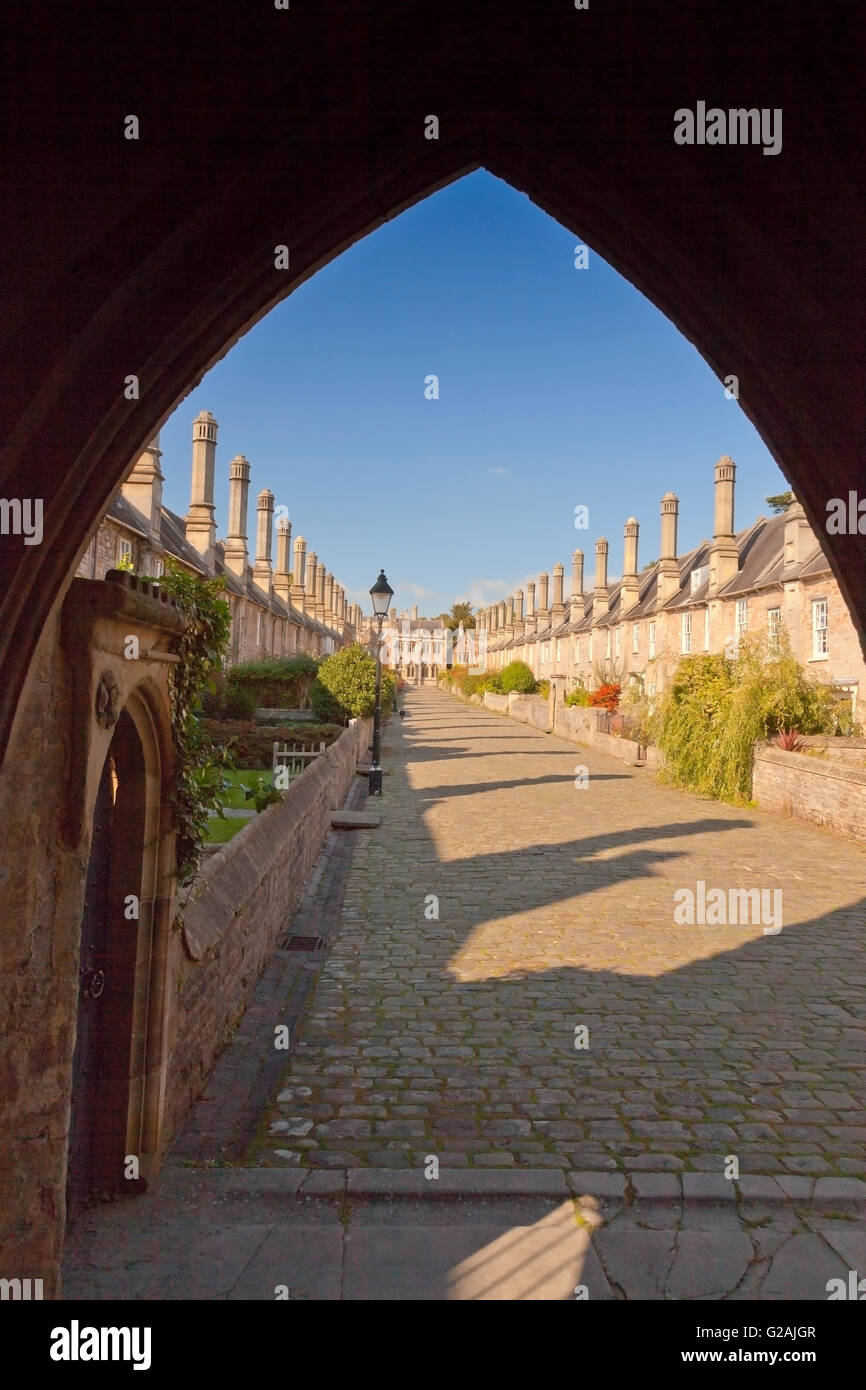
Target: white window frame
(820, 630)
(591, 635)
(741, 624)
(686, 633)
(617, 642)
(607, 642)
(125, 548)
(652, 640)
(635, 637)
(774, 625)
(707, 628)
(558, 650)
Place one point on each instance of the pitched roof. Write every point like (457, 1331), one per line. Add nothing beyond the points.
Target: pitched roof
(127, 515)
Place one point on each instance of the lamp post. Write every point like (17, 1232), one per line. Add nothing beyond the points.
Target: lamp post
(381, 594)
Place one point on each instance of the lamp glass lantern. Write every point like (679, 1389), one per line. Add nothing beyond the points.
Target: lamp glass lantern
(381, 594)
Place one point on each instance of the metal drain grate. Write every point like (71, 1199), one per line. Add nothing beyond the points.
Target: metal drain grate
(305, 943)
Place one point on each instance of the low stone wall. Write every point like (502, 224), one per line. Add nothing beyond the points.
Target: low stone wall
(822, 790)
(529, 709)
(240, 903)
(846, 750)
(499, 703)
(577, 723)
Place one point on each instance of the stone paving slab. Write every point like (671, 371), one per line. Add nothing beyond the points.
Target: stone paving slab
(251, 1234)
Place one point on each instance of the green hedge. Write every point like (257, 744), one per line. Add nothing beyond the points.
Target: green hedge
(283, 682)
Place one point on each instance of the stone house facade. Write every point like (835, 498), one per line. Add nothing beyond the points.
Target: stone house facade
(292, 604)
(637, 628)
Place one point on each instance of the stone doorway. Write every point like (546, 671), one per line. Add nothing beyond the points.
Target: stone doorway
(101, 1067)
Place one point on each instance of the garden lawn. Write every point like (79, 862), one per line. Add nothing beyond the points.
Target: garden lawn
(220, 831)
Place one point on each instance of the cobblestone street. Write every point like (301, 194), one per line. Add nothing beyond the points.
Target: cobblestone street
(455, 1037)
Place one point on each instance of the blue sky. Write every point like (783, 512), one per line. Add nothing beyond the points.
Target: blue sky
(558, 387)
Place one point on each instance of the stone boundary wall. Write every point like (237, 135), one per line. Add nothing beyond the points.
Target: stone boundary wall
(576, 723)
(240, 903)
(821, 790)
(846, 750)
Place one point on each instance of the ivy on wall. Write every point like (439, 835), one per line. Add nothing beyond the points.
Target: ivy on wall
(201, 763)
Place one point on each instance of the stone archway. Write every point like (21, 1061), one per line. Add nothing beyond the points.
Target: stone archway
(166, 253)
(132, 265)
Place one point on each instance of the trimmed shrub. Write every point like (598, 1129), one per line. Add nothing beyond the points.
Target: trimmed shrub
(542, 688)
(348, 678)
(517, 676)
(578, 696)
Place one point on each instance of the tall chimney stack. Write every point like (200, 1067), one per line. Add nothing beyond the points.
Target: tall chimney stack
(724, 559)
(668, 582)
(630, 586)
(200, 523)
(282, 573)
(143, 488)
(600, 599)
(577, 600)
(262, 571)
(518, 615)
(557, 612)
(543, 580)
(298, 596)
(311, 583)
(236, 555)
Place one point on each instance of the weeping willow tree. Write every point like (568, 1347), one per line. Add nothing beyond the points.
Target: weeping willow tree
(717, 708)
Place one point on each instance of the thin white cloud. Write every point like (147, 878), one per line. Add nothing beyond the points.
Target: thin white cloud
(416, 590)
(500, 472)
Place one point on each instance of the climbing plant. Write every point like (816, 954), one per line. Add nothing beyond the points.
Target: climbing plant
(201, 763)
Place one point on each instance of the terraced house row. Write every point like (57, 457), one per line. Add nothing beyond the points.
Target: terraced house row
(638, 627)
(292, 605)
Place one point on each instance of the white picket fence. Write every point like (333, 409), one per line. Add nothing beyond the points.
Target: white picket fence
(294, 758)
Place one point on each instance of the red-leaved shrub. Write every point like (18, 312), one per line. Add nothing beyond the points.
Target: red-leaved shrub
(606, 697)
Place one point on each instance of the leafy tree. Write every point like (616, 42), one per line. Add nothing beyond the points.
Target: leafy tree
(460, 613)
(780, 501)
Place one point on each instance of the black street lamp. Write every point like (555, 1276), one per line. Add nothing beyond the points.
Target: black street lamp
(381, 594)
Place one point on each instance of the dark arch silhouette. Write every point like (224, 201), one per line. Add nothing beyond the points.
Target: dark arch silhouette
(305, 127)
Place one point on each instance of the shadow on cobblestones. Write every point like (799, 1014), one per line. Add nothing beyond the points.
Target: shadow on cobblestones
(454, 1034)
